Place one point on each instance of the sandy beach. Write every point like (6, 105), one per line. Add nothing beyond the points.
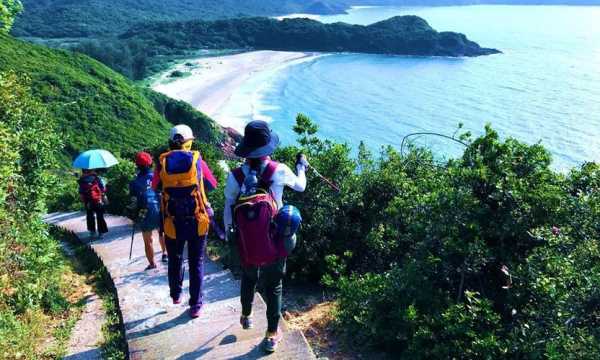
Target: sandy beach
(209, 82)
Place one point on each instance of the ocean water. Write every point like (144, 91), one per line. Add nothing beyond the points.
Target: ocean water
(545, 87)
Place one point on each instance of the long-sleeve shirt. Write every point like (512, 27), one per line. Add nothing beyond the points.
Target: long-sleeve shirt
(282, 177)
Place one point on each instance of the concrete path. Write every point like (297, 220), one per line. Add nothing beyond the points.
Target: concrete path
(157, 329)
(86, 336)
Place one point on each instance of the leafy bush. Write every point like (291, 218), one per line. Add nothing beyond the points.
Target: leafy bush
(492, 255)
(117, 184)
(9, 9)
(30, 263)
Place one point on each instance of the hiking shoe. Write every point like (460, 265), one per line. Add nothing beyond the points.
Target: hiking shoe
(195, 311)
(165, 258)
(100, 236)
(271, 342)
(150, 267)
(246, 322)
(91, 234)
(177, 301)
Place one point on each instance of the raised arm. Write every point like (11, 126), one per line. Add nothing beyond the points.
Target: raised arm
(297, 182)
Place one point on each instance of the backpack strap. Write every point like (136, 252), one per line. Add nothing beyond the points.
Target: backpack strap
(266, 176)
(269, 171)
(239, 176)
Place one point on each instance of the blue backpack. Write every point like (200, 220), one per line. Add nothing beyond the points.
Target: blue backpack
(141, 188)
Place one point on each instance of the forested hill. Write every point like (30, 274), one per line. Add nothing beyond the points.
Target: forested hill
(101, 18)
(402, 35)
(137, 52)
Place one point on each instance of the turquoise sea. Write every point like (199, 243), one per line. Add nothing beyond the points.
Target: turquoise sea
(544, 87)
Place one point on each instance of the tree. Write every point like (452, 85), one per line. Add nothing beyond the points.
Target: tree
(9, 9)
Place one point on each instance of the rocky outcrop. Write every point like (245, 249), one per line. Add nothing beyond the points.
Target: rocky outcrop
(230, 140)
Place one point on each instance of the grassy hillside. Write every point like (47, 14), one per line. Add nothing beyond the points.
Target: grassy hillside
(100, 18)
(95, 106)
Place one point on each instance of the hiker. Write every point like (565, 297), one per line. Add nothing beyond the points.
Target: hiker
(253, 196)
(184, 179)
(92, 191)
(145, 206)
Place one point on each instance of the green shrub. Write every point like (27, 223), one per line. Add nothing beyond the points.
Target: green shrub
(117, 184)
(456, 259)
(31, 265)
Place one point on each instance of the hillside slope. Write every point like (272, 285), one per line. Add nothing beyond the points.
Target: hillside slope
(94, 106)
(100, 18)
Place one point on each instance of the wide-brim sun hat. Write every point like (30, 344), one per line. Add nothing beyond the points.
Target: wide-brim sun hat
(259, 141)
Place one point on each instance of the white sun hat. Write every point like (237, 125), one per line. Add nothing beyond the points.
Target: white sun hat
(182, 130)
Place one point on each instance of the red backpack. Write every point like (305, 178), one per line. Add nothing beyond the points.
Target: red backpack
(89, 187)
(253, 215)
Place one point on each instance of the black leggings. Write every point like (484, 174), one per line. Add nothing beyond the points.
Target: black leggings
(96, 212)
(271, 277)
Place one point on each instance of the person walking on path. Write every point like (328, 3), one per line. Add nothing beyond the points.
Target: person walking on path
(253, 195)
(184, 179)
(145, 206)
(92, 191)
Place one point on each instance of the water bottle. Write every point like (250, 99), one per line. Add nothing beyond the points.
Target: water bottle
(251, 183)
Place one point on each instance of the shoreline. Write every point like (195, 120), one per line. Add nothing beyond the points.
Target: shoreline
(208, 83)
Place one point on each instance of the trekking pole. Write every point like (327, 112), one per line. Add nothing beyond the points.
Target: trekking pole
(132, 237)
(325, 180)
(218, 230)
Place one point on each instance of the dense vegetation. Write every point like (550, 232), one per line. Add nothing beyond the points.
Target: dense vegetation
(101, 18)
(54, 104)
(406, 35)
(8, 10)
(32, 284)
(492, 255)
(35, 315)
(137, 52)
(93, 105)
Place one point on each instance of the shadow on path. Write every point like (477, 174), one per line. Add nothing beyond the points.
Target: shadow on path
(182, 319)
